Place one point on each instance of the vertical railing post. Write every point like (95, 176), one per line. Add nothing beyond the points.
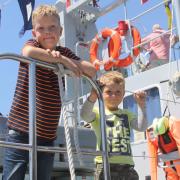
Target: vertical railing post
(177, 15)
(32, 122)
(106, 166)
(107, 175)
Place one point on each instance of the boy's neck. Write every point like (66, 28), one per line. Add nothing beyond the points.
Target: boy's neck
(112, 108)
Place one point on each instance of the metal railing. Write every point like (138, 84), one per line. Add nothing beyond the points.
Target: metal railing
(32, 146)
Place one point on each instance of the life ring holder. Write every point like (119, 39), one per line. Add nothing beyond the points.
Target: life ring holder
(136, 51)
(116, 46)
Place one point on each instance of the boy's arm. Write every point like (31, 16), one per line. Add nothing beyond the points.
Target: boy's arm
(87, 113)
(78, 67)
(140, 123)
(87, 68)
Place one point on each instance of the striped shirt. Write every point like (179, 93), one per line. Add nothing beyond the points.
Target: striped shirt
(48, 103)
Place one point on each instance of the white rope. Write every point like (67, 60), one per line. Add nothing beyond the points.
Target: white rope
(68, 144)
(75, 122)
(132, 55)
(60, 74)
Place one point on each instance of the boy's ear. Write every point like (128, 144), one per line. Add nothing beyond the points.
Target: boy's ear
(61, 29)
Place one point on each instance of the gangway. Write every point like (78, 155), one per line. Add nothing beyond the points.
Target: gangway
(32, 146)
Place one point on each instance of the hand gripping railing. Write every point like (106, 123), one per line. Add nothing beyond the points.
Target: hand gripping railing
(32, 146)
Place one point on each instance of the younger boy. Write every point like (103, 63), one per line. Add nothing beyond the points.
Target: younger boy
(118, 125)
(46, 32)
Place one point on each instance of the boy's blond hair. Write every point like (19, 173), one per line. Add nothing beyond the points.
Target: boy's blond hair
(44, 10)
(112, 77)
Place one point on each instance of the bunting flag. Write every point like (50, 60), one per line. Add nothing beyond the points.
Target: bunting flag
(68, 3)
(143, 1)
(26, 7)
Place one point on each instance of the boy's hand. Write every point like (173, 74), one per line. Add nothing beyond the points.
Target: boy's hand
(93, 96)
(55, 54)
(77, 67)
(72, 65)
(67, 62)
(140, 98)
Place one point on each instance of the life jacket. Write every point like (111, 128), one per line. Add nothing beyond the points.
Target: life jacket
(166, 143)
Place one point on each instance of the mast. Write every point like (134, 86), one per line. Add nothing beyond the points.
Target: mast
(177, 15)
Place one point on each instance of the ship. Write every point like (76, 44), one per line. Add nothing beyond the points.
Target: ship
(78, 19)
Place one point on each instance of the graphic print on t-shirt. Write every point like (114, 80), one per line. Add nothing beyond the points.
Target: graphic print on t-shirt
(118, 134)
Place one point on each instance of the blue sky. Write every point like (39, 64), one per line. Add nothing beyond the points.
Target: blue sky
(12, 22)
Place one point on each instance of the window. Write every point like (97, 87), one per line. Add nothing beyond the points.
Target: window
(153, 108)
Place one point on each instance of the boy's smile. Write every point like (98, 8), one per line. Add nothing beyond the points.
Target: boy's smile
(47, 31)
(113, 95)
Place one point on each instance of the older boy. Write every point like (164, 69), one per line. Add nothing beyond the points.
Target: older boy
(46, 32)
(118, 125)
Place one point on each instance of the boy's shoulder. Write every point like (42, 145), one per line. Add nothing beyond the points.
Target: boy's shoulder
(127, 111)
(119, 111)
(63, 50)
(33, 42)
(124, 110)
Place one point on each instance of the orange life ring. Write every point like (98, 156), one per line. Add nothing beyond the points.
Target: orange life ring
(115, 43)
(129, 59)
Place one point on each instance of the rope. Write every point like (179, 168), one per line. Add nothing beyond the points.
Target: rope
(69, 146)
(75, 122)
(131, 92)
(78, 84)
(60, 74)
(64, 116)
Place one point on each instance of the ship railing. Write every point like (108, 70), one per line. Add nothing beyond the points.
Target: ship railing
(169, 157)
(87, 44)
(114, 4)
(176, 8)
(32, 146)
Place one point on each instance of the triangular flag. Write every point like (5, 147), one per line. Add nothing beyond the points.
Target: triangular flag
(68, 3)
(143, 1)
(26, 7)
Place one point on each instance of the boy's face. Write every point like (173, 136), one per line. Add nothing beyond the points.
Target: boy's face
(47, 31)
(113, 95)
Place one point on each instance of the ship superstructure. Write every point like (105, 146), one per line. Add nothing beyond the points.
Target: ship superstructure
(78, 19)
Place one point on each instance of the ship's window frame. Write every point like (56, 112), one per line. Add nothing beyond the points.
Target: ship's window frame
(147, 88)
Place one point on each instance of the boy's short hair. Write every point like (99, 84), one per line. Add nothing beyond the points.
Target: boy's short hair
(111, 77)
(44, 10)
